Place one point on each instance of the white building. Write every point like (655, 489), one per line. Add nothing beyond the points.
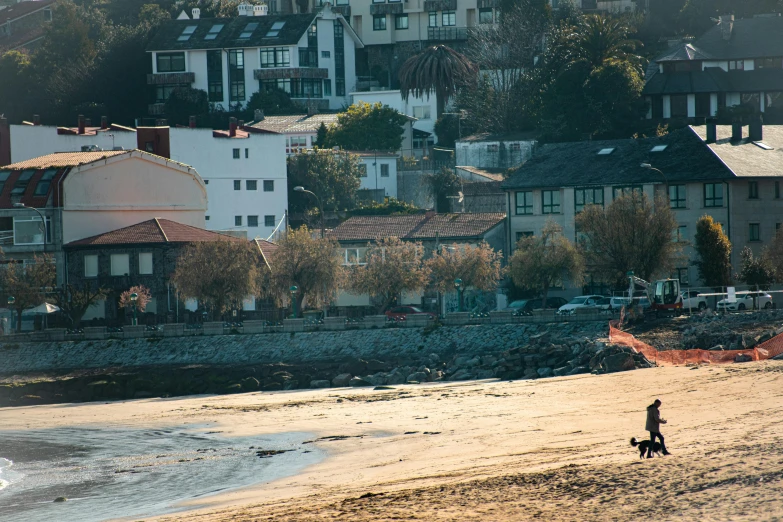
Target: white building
(424, 110)
(379, 175)
(244, 173)
(488, 151)
(310, 56)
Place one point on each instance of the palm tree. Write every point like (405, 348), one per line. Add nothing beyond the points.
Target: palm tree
(598, 40)
(439, 69)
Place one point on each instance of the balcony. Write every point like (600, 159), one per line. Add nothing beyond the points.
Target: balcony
(386, 9)
(447, 33)
(488, 4)
(291, 72)
(344, 10)
(171, 78)
(440, 5)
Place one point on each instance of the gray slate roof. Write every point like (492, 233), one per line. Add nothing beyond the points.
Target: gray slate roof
(750, 38)
(167, 37)
(715, 79)
(555, 165)
(744, 158)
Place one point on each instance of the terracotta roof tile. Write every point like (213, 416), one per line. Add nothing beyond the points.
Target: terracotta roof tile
(295, 123)
(154, 231)
(64, 159)
(418, 226)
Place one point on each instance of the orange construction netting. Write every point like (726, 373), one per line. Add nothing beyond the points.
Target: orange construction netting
(765, 350)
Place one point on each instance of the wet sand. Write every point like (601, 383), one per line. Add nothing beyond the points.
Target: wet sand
(551, 449)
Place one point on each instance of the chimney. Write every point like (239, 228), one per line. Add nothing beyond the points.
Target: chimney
(240, 124)
(232, 127)
(196, 13)
(260, 10)
(192, 122)
(244, 9)
(312, 108)
(712, 130)
(258, 115)
(727, 26)
(104, 122)
(81, 123)
(36, 119)
(756, 128)
(88, 122)
(736, 132)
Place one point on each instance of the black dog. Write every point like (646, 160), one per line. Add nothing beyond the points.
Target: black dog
(644, 445)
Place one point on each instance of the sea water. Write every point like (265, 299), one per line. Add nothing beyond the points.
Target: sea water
(116, 473)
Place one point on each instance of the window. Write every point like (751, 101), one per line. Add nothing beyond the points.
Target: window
(274, 30)
(187, 32)
(768, 63)
(237, 221)
(247, 32)
(355, 256)
(433, 19)
(21, 183)
(42, 188)
(237, 184)
(171, 62)
(236, 75)
(449, 18)
(326, 54)
(145, 263)
(206, 182)
(327, 87)
(363, 170)
(269, 221)
(215, 75)
(294, 143)
(422, 112)
(206, 218)
(213, 32)
(622, 191)
(753, 190)
(247, 153)
(384, 170)
(754, 232)
(493, 147)
(236, 153)
(275, 57)
(485, 15)
(713, 195)
(401, 21)
(306, 88)
(47, 15)
(681, 234)
(269, 185)
(91, 266)
(605, 152)
(379, 22)
(682, 275)
(588, 196)
(677, 196)
(703, 108)
(524, 203)
(339, 85)
(738, 65)
(120, 264)
(283, 84)
(751, 98)
(162, 92)
(308, 57)
(658, 148)
(3, 178)
(251, 184)
(524, 234)
(550, 200)
(252, 221)
(679, 106)
(30, 231)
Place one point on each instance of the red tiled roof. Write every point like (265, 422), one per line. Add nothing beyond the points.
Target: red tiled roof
(154, 231)
(418, 226)
(64, 159)
(14, 11)
(267, 249)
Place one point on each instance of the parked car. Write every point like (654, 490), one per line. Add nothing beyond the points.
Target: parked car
(526, 306)
(581, 301)
(745, 301)
(604, 304)
(693, 300)
(402, 312)
(617, 303)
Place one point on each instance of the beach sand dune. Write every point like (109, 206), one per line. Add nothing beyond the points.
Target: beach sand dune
(550, 449)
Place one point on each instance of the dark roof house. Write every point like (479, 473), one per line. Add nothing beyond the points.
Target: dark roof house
(24, 23)
(418, 227)
(162, 231)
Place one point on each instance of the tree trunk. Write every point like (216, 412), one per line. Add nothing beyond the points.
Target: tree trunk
(546, 293)
(19, 320)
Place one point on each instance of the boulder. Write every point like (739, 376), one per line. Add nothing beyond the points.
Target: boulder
(461, 375)
(619, 362)
(418, 377)
(578, 370)
(530, 373)
(544, 372)
(249, 383)
(356, 382)
(559, 372)
(485, 374)
(320, 384)
(374, 366)
(342, 380)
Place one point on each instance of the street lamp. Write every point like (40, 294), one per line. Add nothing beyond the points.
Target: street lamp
(11, 301)
(43, 220)
(665, 181)
(458, 286)
(320, 206)
(294, 289)
(133, 298)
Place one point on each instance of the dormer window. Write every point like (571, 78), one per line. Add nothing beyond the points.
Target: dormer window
(213, 32)
(605, 152)
(275, 30)
(187, 33)
(248, 31)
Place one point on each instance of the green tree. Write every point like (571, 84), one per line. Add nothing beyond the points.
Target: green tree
(774, 254)
(390, 207)
(632, 233)
(713, 251)
(28, 284)
(599, 40)
(312, 264)
(393, 267)
(333, 176)
(443, 184)
(438, 69)
(756, 271)
(184, 102)
(219, 274)
(321, 136)
(479, 267)
(272, 102)
(365, 127)
(14, 89)
(545, 261)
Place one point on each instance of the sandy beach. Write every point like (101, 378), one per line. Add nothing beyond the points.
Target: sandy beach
(550, 449)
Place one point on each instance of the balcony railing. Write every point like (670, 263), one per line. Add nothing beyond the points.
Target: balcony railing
(440, 5)
(290, 72)
(488, 4)
(171, 78)
(448, 33)
(385, 9)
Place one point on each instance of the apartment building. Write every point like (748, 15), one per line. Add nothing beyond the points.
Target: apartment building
(737, 62)
(725, 172)
(310, 56)
(23, 24)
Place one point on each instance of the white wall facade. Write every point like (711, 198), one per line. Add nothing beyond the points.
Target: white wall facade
(423, 109)
(494, 154)
(128, 189)
(376, 168)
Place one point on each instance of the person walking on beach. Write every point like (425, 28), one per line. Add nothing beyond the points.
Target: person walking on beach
(654, 422)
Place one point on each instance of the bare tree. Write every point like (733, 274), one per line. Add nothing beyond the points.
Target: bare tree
(218, 273)
(542, 262)
(75, 301)
(632, 233)
(143, 297)
(393, 266)
(313, 265)
(477, 266)
(28, 284)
